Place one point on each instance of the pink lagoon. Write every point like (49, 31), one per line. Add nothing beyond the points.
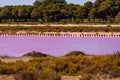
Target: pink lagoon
(58, 46)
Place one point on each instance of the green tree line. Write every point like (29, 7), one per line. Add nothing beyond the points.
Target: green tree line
(58, 11)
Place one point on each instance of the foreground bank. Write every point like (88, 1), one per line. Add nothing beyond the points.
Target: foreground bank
(86, 67)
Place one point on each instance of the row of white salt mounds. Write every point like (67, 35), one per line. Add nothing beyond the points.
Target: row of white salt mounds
(71, 34)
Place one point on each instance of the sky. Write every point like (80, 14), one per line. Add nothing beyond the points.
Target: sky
(30, 2)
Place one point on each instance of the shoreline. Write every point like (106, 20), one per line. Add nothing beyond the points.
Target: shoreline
(71, 34)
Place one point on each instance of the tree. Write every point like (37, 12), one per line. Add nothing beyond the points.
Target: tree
(36, 14)
(117, 2)
(65, 14)
(108, 9)
(93, 13)
(15, 14)
(117, 19)
(82, 12)
(0, 18)
(37, 3)
(0, 15)
(46, 16)
(24, 13)
(52, 1)
(6, 12)
(88, 5)
(57, 10)
(97, 3)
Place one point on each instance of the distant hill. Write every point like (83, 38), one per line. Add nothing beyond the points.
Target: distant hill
(35, 54)
(75, 53)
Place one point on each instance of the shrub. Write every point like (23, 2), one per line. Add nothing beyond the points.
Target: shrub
(36, 75)
(77, 21)
(63, 21)
(27, 75)
(35, 54)
(87, 77)
(75, 53)
(49, 76)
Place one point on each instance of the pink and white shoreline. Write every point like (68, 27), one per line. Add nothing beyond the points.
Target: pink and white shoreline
(70, 34)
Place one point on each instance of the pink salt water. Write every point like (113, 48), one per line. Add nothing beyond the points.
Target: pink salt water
(58, 46)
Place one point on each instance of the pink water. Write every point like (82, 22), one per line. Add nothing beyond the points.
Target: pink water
(57, 46)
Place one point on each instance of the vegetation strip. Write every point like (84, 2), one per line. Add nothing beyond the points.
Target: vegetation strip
(59, 29)
(75, 63)
(62, 25)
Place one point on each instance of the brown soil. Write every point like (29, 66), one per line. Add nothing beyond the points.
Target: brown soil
(7, 77)
(14, 59)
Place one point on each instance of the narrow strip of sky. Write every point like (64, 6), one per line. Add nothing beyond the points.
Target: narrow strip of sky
(30, 2)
